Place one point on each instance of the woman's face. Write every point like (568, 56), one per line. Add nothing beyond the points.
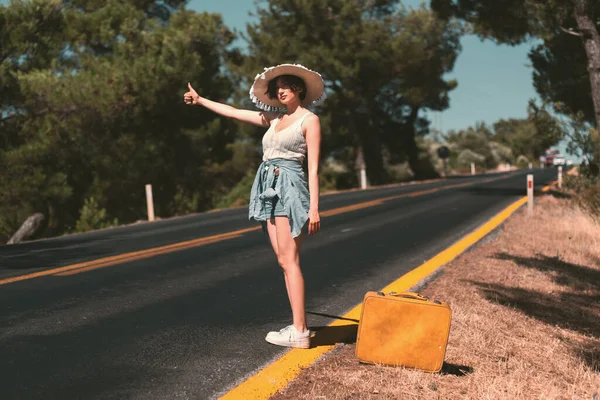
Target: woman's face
(284, 94)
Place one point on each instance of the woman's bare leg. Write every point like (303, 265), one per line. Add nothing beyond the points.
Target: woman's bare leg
(272, 230)
(288, 255)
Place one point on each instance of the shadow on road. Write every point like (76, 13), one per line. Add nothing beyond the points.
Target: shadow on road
(332, 335)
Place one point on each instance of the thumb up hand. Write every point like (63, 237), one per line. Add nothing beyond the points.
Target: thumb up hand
(191, 97)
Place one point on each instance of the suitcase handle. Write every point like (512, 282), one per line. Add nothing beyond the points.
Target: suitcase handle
(409, 295)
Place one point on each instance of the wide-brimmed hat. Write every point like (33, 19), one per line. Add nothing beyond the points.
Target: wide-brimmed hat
(315, 88)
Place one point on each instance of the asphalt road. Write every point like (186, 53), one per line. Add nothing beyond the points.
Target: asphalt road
(190, 324)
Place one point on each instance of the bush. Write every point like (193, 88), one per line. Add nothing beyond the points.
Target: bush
(522, 162)
(184, 203)
(589, 201)
(467, 156)
(238, 196)
(400, 172)
(336, 176)
(92, 217)
(586, 191)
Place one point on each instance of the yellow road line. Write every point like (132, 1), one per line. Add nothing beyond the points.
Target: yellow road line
(548, 187)
(352, 207)
(136, 255)
(278, 374)
(141, 254)
(148, 254)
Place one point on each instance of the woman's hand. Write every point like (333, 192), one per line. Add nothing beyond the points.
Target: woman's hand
(314, 221)
(191, 97)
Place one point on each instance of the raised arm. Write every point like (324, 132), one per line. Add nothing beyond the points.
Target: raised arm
(259, 118)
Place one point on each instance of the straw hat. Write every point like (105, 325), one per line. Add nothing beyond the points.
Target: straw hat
(315, 88)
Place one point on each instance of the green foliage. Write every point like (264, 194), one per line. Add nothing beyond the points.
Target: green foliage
(567, 61)
(184, 202)
(334, 175)
(561, 76)
(585, 189)
(467, 156)
(501, 153)
(382, 64)
(92, 217)
(474, 145)
(229, 178)
(91, 106)
(584, 141)
(510, 21)
(589, 200)
(523, 162)
(400, 172)
(530, 137)
(515, 141)
(233, 178)
(239, 195)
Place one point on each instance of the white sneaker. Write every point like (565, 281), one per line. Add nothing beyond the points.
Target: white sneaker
(290, 337)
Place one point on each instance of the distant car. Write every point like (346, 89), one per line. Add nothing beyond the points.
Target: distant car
(559, 160)
(550, 155)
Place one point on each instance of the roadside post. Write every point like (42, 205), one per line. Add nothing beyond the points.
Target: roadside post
(472, 168)
(363, 176)
(559, 177)
(530, 165)
(150, 202)
(529, 194)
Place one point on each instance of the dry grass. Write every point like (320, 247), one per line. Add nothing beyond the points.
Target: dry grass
(526, 322)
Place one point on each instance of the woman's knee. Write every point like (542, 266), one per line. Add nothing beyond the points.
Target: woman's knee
(287, 262)
(282, 261)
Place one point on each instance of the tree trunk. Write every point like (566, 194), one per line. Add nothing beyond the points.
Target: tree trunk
(368, 150)
(29, 227)
(591, 42)
(421, 168)
(371, 146)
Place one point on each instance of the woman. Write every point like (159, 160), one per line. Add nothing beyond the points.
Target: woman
(281, 200)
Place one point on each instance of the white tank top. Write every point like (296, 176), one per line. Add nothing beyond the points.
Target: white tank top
(289, 143)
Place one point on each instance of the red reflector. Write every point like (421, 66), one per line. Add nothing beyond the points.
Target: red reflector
(529, 184)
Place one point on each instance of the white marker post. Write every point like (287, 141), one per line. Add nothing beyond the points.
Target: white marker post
(363, 177)
(529, 194)
(530, 165)
(560, 177)
(150, 202)
(472, 168)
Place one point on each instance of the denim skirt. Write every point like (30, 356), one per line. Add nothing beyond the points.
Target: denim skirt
(274, 207)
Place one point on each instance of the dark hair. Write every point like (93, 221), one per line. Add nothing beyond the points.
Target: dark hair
(292, 82)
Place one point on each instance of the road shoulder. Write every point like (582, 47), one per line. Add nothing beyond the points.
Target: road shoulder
(525, 311)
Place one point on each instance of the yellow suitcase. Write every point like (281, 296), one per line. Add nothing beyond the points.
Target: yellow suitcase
(403, 329)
